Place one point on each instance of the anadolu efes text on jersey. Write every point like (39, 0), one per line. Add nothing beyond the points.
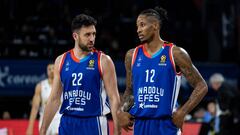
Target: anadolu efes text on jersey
(155, 83)
(83, 91)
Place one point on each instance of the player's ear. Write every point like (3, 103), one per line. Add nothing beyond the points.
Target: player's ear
(75, 35)
(156, 25)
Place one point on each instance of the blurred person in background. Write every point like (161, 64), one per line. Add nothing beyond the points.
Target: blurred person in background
(153, 75)
(85, 78)
(40, 98)
(210, 120)
(6, 115)
(198, 115)
(227, 98)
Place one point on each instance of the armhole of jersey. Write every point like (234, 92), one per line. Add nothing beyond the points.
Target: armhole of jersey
(62, 62)
(134, 55)
(100, 64)
(172, 60)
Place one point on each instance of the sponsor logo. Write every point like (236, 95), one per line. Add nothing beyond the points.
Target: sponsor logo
(67, 66)
(8, 79)
(143, 106)
(139, 59)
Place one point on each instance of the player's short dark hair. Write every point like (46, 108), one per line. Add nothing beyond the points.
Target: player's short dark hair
(82, 20)
(159, 13)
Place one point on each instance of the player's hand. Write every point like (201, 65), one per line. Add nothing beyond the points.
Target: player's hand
(178, 118)
(42, 132)
(126, 121)
(29, 131)
(117, 131)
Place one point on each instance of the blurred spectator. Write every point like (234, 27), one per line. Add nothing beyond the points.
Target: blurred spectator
(6, 115)
(226, 103)
(214, 119)
(199, 115)
(209, 119)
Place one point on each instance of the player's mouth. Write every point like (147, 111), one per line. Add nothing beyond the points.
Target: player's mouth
(90, 45)
(140, 36)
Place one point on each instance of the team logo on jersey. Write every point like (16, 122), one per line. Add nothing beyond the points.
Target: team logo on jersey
(91, 64)
(163, 60)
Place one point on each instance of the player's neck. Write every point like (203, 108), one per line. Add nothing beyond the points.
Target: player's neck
(50, 81)
(153, 46)
(79, 53)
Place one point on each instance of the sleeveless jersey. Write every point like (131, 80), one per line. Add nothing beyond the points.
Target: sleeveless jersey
(83, 91)
(155, 83)
(45, 93)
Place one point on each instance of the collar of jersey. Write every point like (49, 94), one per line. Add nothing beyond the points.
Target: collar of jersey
(79, 60)
(154, 55)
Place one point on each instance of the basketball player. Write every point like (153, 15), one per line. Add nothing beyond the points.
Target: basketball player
(42, 92)
(84, 77)
(154, 70)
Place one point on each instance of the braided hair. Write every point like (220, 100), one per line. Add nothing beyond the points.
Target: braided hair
(158, 13)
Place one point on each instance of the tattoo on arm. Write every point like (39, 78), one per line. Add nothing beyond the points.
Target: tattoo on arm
(128, 94)
(194, 78)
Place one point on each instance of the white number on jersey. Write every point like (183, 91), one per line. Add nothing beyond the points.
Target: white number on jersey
(150, 73)
(76, 79)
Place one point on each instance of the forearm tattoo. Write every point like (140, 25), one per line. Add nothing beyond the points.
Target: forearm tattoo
(183, 61)
(128, 94)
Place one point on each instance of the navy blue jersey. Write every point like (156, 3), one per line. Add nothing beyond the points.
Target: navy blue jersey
(83, 125)
(83, 91)
(155, 83)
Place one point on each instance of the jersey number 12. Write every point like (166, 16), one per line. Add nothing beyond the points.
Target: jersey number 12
(149, 75)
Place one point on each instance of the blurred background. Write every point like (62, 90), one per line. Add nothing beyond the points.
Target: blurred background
(32, 33)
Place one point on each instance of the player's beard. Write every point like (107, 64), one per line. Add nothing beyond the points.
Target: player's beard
(84, 48)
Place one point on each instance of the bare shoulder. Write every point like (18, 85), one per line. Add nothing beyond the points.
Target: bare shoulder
(128, 57)
(179, 51)
(58, 59)
(107, 65)
(129, 53)
(181, 56)
(183, 61)
(38, 87)
(105, 58)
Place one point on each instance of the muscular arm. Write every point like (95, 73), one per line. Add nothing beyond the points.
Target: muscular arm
(35, 106)
(54, 99)
(110, 83)
(195, 79)
(128, 93)
(125, 119)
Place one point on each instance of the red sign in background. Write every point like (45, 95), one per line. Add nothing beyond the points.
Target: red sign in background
(18, 127)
